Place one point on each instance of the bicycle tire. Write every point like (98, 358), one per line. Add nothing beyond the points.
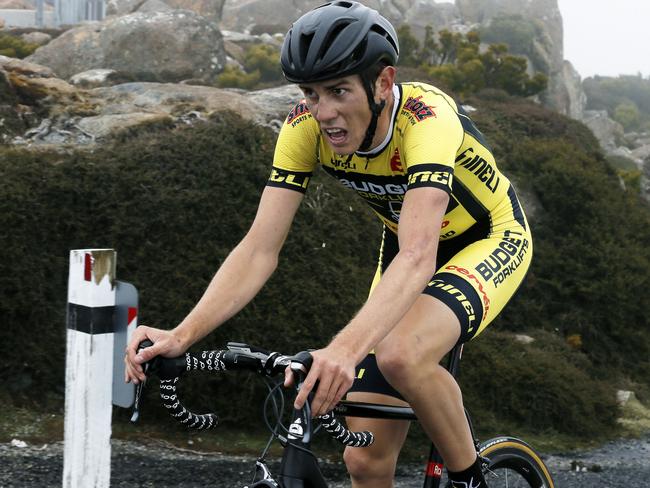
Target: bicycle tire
(514, 464)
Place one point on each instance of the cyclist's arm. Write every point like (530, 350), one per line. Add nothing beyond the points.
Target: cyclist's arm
(240, 277)
(407, 275)
(396, 292)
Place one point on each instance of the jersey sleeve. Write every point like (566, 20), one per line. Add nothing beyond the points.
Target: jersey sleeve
(432, 138)
(296, 151)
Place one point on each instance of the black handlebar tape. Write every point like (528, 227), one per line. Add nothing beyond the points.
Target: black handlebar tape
(342, 434)
(169, 371)
(179, 412)
(305, 358)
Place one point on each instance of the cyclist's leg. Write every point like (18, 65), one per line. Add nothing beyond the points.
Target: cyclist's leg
(408, 358)
(463, 297)
(374, 466)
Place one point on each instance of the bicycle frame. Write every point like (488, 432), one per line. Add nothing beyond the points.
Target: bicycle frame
(299, 466)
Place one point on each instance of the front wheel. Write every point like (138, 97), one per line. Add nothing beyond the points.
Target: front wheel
(513, 464)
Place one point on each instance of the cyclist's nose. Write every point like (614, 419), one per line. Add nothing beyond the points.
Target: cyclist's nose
(324, 111)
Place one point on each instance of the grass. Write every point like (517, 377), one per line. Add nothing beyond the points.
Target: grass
(38, 427)
(33, 427)
(635, 420)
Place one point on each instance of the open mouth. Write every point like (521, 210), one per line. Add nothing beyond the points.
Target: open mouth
(336, 136)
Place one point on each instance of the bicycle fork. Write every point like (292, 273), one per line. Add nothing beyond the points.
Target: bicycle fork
(266, 480)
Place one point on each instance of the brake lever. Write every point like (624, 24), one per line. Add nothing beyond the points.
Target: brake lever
(138, 389)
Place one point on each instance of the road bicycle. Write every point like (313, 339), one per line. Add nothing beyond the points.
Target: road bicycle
(507, 461)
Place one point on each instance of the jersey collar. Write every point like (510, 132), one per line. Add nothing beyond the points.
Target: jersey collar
(397, 97)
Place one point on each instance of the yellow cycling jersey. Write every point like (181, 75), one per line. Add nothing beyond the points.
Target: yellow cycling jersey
(431, 142)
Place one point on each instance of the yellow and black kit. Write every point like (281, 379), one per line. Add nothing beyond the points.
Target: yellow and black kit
(485, 246)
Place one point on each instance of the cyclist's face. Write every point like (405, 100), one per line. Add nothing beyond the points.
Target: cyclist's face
(341, 108)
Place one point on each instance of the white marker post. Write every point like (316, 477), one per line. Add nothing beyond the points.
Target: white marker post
(89, 369)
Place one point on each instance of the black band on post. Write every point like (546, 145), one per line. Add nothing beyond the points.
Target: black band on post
(91, 320)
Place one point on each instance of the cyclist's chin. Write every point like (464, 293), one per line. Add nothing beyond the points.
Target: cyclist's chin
(343, 149)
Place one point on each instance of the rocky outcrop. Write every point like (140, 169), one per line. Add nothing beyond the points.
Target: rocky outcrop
(10, 119)
(606, 130)
(210, 9)
(271, 16)
(117, 8)
(158, 46)
(565, 93)
(546, 54)
(71, 115)
(38, 38)
(645, 180)
(275, 16)
(16, 4)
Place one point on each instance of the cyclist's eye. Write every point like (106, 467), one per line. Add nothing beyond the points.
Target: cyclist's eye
(310, 95)
(338, 92)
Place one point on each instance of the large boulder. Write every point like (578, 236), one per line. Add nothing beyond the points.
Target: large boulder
(159, 46)
(36, 37)
(606, 130)
(117, 8)
(273, 104)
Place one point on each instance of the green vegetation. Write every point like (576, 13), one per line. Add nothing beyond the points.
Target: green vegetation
(625, 98)
(451, 60)
(261, 68)
(519, 34)
(456, 62)
(174, 202)
(14, 47)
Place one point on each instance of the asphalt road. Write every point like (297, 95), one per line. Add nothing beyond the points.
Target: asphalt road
(619, 464)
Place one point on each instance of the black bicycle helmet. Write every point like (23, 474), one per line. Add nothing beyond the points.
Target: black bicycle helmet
(337, 39)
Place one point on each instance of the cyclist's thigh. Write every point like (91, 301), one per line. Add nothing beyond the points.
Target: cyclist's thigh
(389, 434)
(479, 280)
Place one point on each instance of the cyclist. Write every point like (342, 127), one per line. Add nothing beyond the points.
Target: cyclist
(455, 246)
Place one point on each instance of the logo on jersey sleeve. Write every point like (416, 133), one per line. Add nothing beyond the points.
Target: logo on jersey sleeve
(298, 113)
(292, 180)
(436, 175)
(417, 110)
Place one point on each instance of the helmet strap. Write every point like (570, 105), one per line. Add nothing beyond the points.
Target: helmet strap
(375, 109)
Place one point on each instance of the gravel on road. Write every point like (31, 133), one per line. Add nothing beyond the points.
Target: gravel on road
(618, 464)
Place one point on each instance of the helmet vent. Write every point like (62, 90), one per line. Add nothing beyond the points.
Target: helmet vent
(305, 43)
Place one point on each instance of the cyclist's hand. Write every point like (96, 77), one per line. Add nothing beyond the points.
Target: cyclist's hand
(333, 369)
(165, 343)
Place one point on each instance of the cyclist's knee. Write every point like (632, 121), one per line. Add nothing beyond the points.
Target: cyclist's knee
(402, 369)
(366, 465)
(395, 364)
